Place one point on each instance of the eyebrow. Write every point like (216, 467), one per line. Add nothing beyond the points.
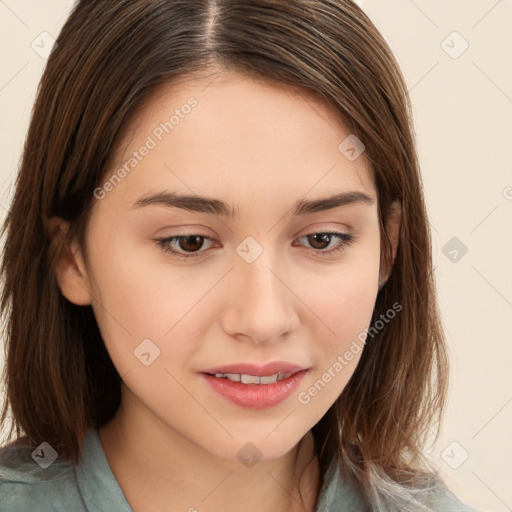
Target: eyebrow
(218, 207)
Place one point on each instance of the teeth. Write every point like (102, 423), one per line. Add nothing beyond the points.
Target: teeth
(253, 379)
(268, 379)
(250, 379)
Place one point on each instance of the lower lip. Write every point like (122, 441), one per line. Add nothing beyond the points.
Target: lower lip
(256, 396)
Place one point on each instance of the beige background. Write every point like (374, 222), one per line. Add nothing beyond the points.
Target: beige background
(463, 117)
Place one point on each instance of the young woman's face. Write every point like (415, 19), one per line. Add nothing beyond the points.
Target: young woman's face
(247, 275)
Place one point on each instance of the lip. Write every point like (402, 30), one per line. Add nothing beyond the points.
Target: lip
(257, 370)
(256, 396)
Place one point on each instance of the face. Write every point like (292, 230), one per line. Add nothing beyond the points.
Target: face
(254, 274)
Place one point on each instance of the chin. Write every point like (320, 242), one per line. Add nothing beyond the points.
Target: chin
(251, 448)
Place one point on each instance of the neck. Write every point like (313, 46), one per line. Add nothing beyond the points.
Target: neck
(157, 469)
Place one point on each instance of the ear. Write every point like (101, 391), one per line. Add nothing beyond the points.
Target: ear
(70, 269)
(393, 230)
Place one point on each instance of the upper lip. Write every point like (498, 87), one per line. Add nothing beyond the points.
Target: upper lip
(257, 369)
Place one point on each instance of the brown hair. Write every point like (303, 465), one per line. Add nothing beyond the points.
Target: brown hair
(110, 57)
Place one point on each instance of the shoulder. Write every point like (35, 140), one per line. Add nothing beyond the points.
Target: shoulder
(27, 485)
(339, 494)
(440, 499)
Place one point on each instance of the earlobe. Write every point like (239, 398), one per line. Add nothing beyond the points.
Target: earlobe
(69, 268)
(392, 227)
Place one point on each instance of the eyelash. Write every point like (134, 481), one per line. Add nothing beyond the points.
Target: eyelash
(345, 239)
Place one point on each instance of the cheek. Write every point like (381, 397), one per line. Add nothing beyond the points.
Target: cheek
(139, 297)
(343, 301)
(344, 296)
(130, 304)
(347, 312)
(336, 354)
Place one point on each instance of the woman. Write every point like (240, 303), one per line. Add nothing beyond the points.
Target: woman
(219, 265)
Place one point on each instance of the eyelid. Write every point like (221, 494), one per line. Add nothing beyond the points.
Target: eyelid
(326, 227)
(345, 239)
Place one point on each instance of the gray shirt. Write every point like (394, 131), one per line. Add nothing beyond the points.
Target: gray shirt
(92, 487)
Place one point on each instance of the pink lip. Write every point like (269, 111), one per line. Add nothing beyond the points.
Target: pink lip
(256, 396)
(257, 370)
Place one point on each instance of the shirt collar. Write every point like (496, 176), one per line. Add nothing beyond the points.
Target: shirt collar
(95, 479)
(337, 494)
(97, 483)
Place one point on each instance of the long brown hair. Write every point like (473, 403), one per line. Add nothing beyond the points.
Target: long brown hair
(109, 59)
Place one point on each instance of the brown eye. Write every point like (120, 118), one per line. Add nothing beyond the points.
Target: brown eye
(319, 242)
(183, 246)
(191, 243)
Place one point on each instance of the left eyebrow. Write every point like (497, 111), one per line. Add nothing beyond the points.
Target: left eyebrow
(328, 203)
(218, 207)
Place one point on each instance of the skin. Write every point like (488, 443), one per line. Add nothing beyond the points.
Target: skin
(174, 441)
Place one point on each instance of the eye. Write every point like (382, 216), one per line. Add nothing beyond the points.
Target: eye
(321, 241)
(189, 246)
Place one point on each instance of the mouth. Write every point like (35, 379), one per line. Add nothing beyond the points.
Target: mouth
(253, 379)
(256, 387)
(275, 368)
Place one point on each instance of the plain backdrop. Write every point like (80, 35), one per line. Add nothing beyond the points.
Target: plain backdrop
(456, 58)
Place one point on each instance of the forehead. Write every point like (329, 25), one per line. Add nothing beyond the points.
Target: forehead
(221, 130)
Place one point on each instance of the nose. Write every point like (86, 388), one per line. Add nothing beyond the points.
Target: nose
(262, 305)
